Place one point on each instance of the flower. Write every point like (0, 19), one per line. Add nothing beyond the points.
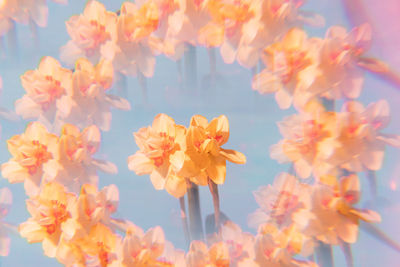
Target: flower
(48, 211)
(203, 157)
(129, 50)
(157, 143)
(34, 152)
(44, 87)
(280, 200)
(89, 32)
(309, 139)
(331, 216)
(361, 144)
(88, 103)
(200, 255)
(290, 64)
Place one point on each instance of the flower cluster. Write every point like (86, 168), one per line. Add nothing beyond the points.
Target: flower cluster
(56, 95)
(300, 69)
(23, 11)
(174, 155)
(132, 36)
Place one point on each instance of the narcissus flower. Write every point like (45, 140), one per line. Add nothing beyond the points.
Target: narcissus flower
(89, 32)
(331, 216)
(201, 255)
(157, 143)
(361, 142)
(87, 103)
(204, 158)
(290, 64)
(280, 200)
(48, 211)
(44, 87)
(129, 50)
(34, 152)
(309, 139)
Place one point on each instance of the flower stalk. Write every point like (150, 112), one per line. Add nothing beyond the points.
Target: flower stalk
(195, 221)
(185, 224)
(324, 255)
(214, 192)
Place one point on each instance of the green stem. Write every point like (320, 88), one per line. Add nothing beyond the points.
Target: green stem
(143, 86)
(190, 67)
(324, 255)
(195, 225)
(346, 248)
(214, 192)
(185, 224)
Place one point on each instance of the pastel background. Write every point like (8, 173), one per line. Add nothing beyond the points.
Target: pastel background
(252, 120)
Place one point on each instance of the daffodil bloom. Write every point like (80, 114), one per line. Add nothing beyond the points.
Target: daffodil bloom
(142, 249)
(88, 103)
(280, 200)
(92, 207)
(290, 64)
(204, 158)
(89, 32)
(309, 139)
(129, 50)
(44, 87)
(225, 27)
(33, 154)
(49, 210)
(75, 164)
(157, 143)
(240, 244)
(338, 73)
(331, 216)
(200, 255)
(361, 143)
(275, 247)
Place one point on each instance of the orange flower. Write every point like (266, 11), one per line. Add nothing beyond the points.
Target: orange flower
(361, 144)
(331, 216)
(88, 102)
(309, 139)
(89, 32)
(200, 255)
(291, 64)
(204, 157)
(75, 164)
(225, 27)
(44, 87)
(34, 152)
(129, 50)
(49, 210)
(280, 200)
(157, 143)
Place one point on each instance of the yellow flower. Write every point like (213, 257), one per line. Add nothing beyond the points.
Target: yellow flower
(157, 143)
(49, 210)
(34, 152)
(204, 157)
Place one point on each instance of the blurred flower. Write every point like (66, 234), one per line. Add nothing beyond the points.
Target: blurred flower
(309, 139)
(48, 211)
(157, 143)
(87, 103)
(362, 144)
(331, 216)
(200, 255)
(33, 153)
(129, 50)
(225, 27)
(89, 32)
(277, 247)
(280, 200)
(44, 87)
(290, 64)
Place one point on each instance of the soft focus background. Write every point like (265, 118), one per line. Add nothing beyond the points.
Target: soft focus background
(252, 120)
